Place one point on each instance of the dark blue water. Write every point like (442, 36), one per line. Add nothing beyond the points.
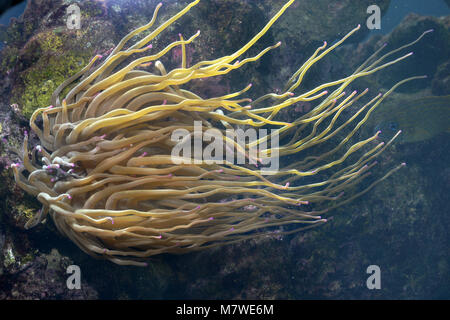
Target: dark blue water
(398, 9)
(13, 12)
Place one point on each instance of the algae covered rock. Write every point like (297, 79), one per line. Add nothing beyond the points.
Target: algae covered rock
(388, 228)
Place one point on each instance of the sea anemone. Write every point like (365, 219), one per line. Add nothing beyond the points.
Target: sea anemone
(107, 172)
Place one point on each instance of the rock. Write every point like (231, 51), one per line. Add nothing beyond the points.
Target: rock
(44, 278)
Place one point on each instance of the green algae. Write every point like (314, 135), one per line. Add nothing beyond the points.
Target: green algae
(54, 64)
(25, 211)
(419, 119)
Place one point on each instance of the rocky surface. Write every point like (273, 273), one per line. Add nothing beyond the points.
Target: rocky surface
(401, 225)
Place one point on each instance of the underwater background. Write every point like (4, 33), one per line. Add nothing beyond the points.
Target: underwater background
(401, 225)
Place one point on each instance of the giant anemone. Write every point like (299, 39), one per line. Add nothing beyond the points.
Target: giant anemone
(107, 173)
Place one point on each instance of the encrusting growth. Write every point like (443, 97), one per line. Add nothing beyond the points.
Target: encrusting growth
(105, 173)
